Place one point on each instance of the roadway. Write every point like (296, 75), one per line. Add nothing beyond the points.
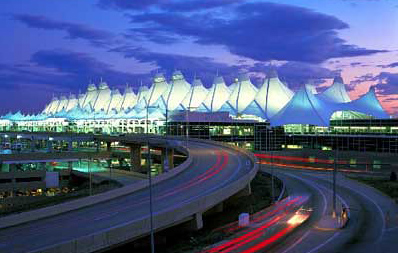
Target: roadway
(213, 168)
(373, 223)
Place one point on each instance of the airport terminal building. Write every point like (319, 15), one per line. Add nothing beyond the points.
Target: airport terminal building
(240, 113)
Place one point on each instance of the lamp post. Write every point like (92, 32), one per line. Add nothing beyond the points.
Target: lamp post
(150, 178)
(335, 164)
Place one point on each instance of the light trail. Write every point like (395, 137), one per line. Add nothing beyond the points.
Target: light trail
(279, 216)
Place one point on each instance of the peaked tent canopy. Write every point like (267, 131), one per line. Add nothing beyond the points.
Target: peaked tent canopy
(243, 94)
(336, 93)
(216, 97)
(129, 99)
(271, 98)
(304, 108)
(195, 96)
(176, 91)
(367, 104)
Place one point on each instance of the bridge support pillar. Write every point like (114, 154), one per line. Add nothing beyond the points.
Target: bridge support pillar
(70, 145)
(166, 159)
(97, 145)
(49, 146)
(108, 146)
(197, 222)
(70, 165)
(135, 157)
(170, 157)
(32, 145)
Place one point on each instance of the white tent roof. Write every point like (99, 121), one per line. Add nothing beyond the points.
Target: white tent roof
(116, 101)
(195, 96)
(336, 93)
(142, 98)
(304, 108)
(81, 98)
(367, 104)
(157, 89)
(103, 99)
(72, 102)
(63, 102)
(129, 99)
(91, 96)
(271, 98)
(52, 107)
(243, 94)
(176, 91)
(217, 95)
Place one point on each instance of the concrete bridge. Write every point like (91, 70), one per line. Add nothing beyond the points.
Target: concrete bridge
(212, 173)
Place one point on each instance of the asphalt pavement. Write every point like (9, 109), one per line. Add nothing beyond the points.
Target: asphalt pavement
(213, 168)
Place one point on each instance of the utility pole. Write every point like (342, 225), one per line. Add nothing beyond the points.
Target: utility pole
(334, 178)
(150, 181)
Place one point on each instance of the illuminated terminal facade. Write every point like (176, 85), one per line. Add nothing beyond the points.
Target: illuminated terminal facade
(238, 113)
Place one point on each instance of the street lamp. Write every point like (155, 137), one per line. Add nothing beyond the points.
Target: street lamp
(150, 177)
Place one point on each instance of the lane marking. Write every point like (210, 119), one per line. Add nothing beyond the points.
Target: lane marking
(297, 242)
(323, 244)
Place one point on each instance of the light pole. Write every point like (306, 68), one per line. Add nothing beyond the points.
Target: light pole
(150, 178)
(272, 169)
(335, 177)
(89, 176)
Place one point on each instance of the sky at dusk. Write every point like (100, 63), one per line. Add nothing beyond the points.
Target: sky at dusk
(58, 47)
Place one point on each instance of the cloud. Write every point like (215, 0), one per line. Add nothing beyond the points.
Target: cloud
(391, 65)
(81, 67)
(74, 31)
(260, 31)
(170, 5)
(388, 83)
(296, 74)
(203, 67)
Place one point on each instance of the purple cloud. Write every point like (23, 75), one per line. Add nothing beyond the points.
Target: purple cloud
(260, 31)
(203, 67)
(391, 65)
(75, 31)
(170, 5)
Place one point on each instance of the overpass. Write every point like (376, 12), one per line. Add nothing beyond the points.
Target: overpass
(212, 173)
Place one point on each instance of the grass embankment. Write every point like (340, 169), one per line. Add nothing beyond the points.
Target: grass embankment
(383, 184)
(178, 240)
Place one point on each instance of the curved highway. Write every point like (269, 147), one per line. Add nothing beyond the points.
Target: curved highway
(373, 216)
(214, 168)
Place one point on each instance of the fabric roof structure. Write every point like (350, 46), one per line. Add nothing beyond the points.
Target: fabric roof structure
(196, 95)
(176, 91)
(142, 98)
(304, 108)
(272, 101)
(103, 99)
(336, 93)
(243, 94)
(116, 101)
(367, 104)
(129, 99)
(217, 96)
(63, 103)
(158, 88)
(72, 102)
(271, 97)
